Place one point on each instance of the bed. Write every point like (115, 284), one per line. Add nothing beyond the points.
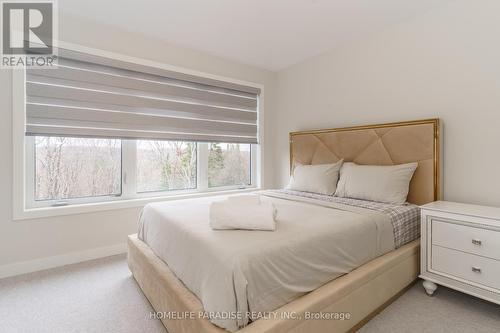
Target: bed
(348, 273)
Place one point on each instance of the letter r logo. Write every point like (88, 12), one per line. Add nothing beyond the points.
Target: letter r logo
(27, 27)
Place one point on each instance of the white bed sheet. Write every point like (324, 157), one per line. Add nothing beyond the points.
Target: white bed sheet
(237, 273)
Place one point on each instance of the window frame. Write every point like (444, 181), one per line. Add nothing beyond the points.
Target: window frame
(24, 205)
(129, 179)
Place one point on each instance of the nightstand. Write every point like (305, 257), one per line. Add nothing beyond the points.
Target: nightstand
(460, 248)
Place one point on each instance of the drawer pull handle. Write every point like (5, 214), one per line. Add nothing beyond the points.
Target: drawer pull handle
(477, 242)
(476, 269)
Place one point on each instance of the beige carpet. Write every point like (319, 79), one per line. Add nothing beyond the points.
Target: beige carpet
(102, 296)
(446, 311)
(94, 296)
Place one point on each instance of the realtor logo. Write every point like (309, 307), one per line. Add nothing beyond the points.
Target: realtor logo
(28, 34)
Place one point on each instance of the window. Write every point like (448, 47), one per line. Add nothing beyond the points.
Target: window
(229, 164)
(67, 170)
(99, 128)
(74, 168)
(165, 165)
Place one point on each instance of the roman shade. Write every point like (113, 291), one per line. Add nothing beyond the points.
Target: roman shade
(94, 96)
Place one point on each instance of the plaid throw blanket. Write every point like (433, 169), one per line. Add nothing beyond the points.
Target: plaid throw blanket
(405, 218)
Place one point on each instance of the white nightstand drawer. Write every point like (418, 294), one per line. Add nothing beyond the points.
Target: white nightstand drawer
(466, 266)
(473, 240)
(460, 248)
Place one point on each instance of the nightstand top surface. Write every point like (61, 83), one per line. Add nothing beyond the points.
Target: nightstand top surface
(464, 209)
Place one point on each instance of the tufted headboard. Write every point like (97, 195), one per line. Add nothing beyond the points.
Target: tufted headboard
(383, 144)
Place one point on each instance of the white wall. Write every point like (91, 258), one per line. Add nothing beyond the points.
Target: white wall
(27, 240)
(443, 64)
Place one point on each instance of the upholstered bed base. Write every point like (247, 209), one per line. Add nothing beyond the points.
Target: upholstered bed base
(360, 293)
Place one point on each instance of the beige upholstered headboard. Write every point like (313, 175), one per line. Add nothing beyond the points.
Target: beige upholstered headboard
(383, 144)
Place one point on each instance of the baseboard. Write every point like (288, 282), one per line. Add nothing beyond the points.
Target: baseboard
(60, 260)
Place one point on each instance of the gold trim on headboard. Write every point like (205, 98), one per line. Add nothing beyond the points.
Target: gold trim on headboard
(436, 153)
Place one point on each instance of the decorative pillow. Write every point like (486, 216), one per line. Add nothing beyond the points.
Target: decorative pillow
(388, 184)
(319, 178)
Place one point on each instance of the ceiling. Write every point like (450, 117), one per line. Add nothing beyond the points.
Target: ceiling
(270, 34)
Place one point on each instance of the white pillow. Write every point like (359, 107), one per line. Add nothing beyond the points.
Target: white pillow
(388, 184)
(319, 178)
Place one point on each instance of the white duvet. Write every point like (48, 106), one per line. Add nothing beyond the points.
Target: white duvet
(237, 272)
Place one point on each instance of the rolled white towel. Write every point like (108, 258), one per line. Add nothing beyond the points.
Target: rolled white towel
(227, 215)
(244, 199)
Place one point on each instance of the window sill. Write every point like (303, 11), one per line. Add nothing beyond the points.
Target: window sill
(35, 213)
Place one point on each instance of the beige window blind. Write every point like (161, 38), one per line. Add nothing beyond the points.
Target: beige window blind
(93, 96)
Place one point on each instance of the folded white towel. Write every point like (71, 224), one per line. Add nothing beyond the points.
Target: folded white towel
(228, 215)
(245, 199)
